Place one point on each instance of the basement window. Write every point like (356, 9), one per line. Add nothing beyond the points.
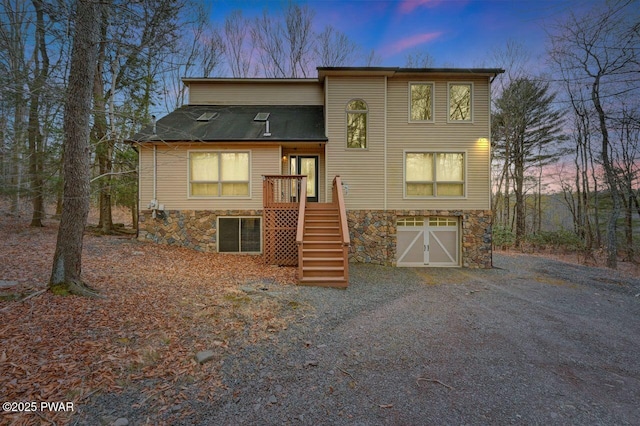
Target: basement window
(239, 235)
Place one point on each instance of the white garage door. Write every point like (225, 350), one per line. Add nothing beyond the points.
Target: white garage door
(432, 241)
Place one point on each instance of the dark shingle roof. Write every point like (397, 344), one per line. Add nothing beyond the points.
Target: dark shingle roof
(301, 123)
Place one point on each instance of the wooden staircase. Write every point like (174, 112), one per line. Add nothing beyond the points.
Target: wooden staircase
(323, 250)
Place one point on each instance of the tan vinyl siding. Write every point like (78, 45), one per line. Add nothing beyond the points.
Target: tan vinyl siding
(361, 170)
(145, 172)
(440, 136)
(247, 93)
(172, 176)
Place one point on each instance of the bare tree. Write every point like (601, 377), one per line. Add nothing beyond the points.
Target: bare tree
(626, 154)
(285, 45)
(600, 50)
(299, 36)
(133, 36)
(334, 49)
(212, 52)
(268, 37)
(35, 136)
(67, 261)
(199, 51)
(14, 30)
(419, 59)
(371, 59)
(238, 49)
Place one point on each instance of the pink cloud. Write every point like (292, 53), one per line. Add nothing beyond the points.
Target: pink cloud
(408, 43)
(408, 6)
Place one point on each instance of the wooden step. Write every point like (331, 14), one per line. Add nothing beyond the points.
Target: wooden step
(321, 238)
(318, 252)
(321, 222)
(321, 217)
(323, 272)
(324, 282)
(322, 244)
(322, 229)
(323, 261)
(320, 206)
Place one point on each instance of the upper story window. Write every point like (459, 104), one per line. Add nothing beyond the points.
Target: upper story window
(421, 101)
(460, 101)
(434, 174)
(219, 174)
(357, 112)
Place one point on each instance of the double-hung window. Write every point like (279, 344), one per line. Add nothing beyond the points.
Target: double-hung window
(218, 174)
(460, 101)
(421, 102)
(357, 111)
(434, 174)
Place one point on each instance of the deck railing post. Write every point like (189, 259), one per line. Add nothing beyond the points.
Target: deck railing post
(338, 198)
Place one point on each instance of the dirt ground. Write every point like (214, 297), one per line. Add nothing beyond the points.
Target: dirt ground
(533, 341)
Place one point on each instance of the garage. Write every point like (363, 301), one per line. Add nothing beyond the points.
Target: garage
(428, 241)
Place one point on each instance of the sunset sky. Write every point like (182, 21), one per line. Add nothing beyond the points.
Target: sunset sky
(457, 33)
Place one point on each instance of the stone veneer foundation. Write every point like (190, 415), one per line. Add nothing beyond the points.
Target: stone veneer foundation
(373, 235)
(187, 228)
(372, 232)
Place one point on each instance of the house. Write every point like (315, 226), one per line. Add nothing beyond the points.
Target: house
(250, 166)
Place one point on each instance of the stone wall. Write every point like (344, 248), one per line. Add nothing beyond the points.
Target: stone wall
(373, 235)
(186, 228)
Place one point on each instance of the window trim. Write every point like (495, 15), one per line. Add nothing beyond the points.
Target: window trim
(472, 89)
(435, 171)
(240, 218)
(433, 102)
(347, 111)
(218, 197)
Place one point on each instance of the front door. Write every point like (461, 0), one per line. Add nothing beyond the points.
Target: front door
(306, 165)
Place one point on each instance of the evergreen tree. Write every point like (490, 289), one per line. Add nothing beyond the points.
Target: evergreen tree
(528, 132)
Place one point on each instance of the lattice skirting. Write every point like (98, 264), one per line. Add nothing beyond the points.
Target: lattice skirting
(280, 227)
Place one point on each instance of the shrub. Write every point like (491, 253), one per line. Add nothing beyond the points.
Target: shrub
(561, 239)
(503, 237)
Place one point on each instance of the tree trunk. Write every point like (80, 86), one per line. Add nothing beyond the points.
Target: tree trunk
(16, 157)
(628, 213)
(67, 260)
(518, 180)
(35, 160)
(101, 139)
(41, 71)
(612, 242)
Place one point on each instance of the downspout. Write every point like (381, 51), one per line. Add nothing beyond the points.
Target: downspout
(489, 147)
(326, 134)
(155, 178)
(386, 79)
(490, 182)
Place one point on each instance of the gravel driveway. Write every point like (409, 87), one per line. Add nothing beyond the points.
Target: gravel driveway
(532, 341)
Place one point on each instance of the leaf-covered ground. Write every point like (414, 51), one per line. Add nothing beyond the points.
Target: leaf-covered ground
(163, 305)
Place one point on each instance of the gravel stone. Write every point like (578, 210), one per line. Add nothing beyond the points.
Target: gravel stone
(204, 356)
(532, 341)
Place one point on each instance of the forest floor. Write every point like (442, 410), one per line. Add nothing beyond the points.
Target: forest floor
(597, 259)
(163, 305)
